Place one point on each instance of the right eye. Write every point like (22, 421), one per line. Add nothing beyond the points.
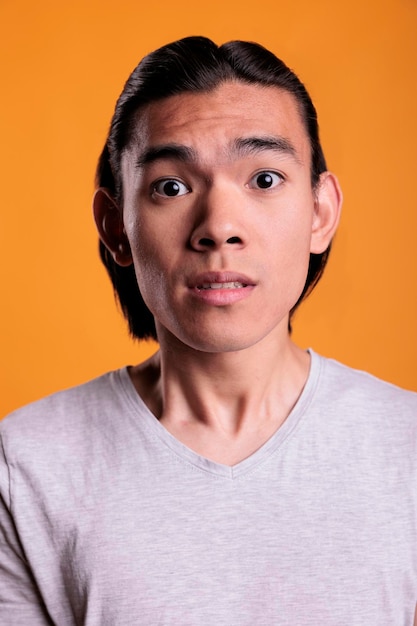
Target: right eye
(170, 188)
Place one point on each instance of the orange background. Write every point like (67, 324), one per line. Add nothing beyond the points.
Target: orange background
(64, 64)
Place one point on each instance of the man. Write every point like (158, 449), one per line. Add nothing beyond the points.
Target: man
(233, 478)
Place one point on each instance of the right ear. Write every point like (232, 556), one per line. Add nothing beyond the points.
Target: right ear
(109, 222)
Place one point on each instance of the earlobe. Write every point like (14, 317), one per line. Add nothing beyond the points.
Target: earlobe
(327, 210)
(109, 222)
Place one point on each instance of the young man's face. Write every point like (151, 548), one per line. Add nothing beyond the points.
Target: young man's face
(220, 214)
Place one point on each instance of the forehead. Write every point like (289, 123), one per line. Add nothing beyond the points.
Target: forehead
(216, 118)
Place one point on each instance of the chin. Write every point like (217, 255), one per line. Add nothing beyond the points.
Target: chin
(218, 341)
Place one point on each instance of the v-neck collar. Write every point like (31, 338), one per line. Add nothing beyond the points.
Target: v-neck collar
(247, 465)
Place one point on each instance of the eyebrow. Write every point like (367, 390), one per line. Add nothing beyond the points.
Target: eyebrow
(252, 145)
(241, 147)
(169, 151)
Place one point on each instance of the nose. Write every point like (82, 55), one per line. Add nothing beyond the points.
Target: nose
(219, 222)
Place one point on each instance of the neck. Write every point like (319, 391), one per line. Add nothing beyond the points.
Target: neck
(223, 405)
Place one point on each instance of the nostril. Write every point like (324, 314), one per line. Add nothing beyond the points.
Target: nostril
(209, 243)
(205, 241)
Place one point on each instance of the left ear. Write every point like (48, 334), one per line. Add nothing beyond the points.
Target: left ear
(327, 209)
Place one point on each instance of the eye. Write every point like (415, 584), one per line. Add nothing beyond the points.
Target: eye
(170, 188)
(266, 180)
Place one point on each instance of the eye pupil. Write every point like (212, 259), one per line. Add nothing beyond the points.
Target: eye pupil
(264, 180)
(171, 188)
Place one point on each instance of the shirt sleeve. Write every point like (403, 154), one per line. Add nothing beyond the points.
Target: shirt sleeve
(20, 601)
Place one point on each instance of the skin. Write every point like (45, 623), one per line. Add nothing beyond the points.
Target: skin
(217, 191)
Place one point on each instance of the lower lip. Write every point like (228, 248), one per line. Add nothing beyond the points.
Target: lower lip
(222, 297)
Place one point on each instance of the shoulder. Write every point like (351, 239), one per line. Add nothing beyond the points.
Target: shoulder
(349, 379)
(362, 393)
(66, 415)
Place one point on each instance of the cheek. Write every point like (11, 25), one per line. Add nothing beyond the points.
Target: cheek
(290, 234)
(291, 254)
(144, 248)
(149, 269)
(142, 238)
(154, 263)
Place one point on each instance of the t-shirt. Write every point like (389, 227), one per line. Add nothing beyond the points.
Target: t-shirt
(106, 519)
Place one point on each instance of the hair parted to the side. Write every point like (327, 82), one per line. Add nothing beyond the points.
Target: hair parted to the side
(194, 64)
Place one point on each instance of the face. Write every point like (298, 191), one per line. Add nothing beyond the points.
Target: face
(220, 215)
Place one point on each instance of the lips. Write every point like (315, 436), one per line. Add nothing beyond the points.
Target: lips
(220, 289)
(220, 280)
(230, 285)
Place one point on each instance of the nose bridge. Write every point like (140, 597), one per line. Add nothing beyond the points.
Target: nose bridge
(219, 217)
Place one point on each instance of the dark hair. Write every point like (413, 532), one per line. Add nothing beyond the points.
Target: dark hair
(194, 64)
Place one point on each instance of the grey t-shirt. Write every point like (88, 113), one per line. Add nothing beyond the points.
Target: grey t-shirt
(106, 519)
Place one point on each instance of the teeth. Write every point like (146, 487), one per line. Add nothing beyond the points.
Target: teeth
(234, 285)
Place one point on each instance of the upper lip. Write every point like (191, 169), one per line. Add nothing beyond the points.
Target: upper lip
(219, 277)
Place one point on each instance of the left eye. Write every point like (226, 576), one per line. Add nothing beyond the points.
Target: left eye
(265, 180)
(170, 188)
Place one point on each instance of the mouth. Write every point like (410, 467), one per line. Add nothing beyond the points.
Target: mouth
(228, 285)
(221, 289)
(220, 280)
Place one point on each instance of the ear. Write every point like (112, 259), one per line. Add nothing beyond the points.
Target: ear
(327, 209)
(109, 222)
